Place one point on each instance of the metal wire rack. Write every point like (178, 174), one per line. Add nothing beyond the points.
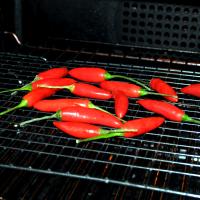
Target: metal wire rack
(164, 161)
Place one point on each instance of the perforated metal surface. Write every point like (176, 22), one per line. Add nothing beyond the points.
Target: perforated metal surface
(165, 160)
(165, 26)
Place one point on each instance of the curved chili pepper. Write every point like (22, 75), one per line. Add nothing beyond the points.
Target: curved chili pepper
(129, 89)
(81, 114)
(31, 98)
(53, 105)
(161, 86)
(85, 130)
(84, 90)
(47, 81)
(167, 110)
(121, 103)
(141, 125)
(56, 72)
(192, 89)
(96, 75)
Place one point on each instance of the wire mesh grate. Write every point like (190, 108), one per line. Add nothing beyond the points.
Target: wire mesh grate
(165, 160)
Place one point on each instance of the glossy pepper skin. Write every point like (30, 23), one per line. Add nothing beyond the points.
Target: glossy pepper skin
(97, 75)
(53, 105)
(169, 111)
(84, 90)
(56, 72)
(53, 82)
(31, 98)
(143, 125)
(48, 81)
(89, 115)
(192, 89)
(121, 103)
(140, 126)
(85, 130)
(161, 86)
(81, 114)
(129, 89)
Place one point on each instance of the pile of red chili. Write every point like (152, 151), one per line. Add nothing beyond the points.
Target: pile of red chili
(80, 118)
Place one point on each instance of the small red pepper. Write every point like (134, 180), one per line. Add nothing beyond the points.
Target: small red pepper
(193, 89)
(85, 130)
(141, 125)
(54, 73)
(53, 105)
(161, 86)
(84, 90)
(129, 89)
(81, 114)
(121, 103)
(31, 98)
(167, 110)
(57, 72)
(96, 75)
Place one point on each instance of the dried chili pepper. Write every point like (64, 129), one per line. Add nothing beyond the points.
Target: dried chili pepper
(161, 86)
(142, 125)
(95, 74)
(121, 103)
(81, 114)
(192, 89)
(167, 110)
(48, 81)
(31, 98)
(84, 90)
(129, 89)
(85, 130)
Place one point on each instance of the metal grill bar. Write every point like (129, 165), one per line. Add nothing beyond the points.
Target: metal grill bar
(151, 162)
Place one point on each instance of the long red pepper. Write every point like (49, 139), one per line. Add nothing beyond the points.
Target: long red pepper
(121, 103)
(142, 125)
(48, 74)
(49, 81)
(53, 105)
(129, 89)
(192, 89)
(161, 86)
(85, 130)
(56, 72)
(81, 114)
(31, 98)
(84, 90)
(167, 110)
(95, 74)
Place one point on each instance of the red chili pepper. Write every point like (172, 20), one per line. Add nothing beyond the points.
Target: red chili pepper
(31, 98)
(167, 110)
(95, 74)
(57, 72)
(162, 87)
(193, 89)
(121, 103)
(81, 114)
(129, 89)
(53, 105)
(141, 126)
(84, 90)
(84, 130)
(47, 77)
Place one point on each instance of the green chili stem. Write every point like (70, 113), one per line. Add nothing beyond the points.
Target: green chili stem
(104, 136)
(91, 105)
(55, 115)
(25, 87)
(22, 104)
(132, 80)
